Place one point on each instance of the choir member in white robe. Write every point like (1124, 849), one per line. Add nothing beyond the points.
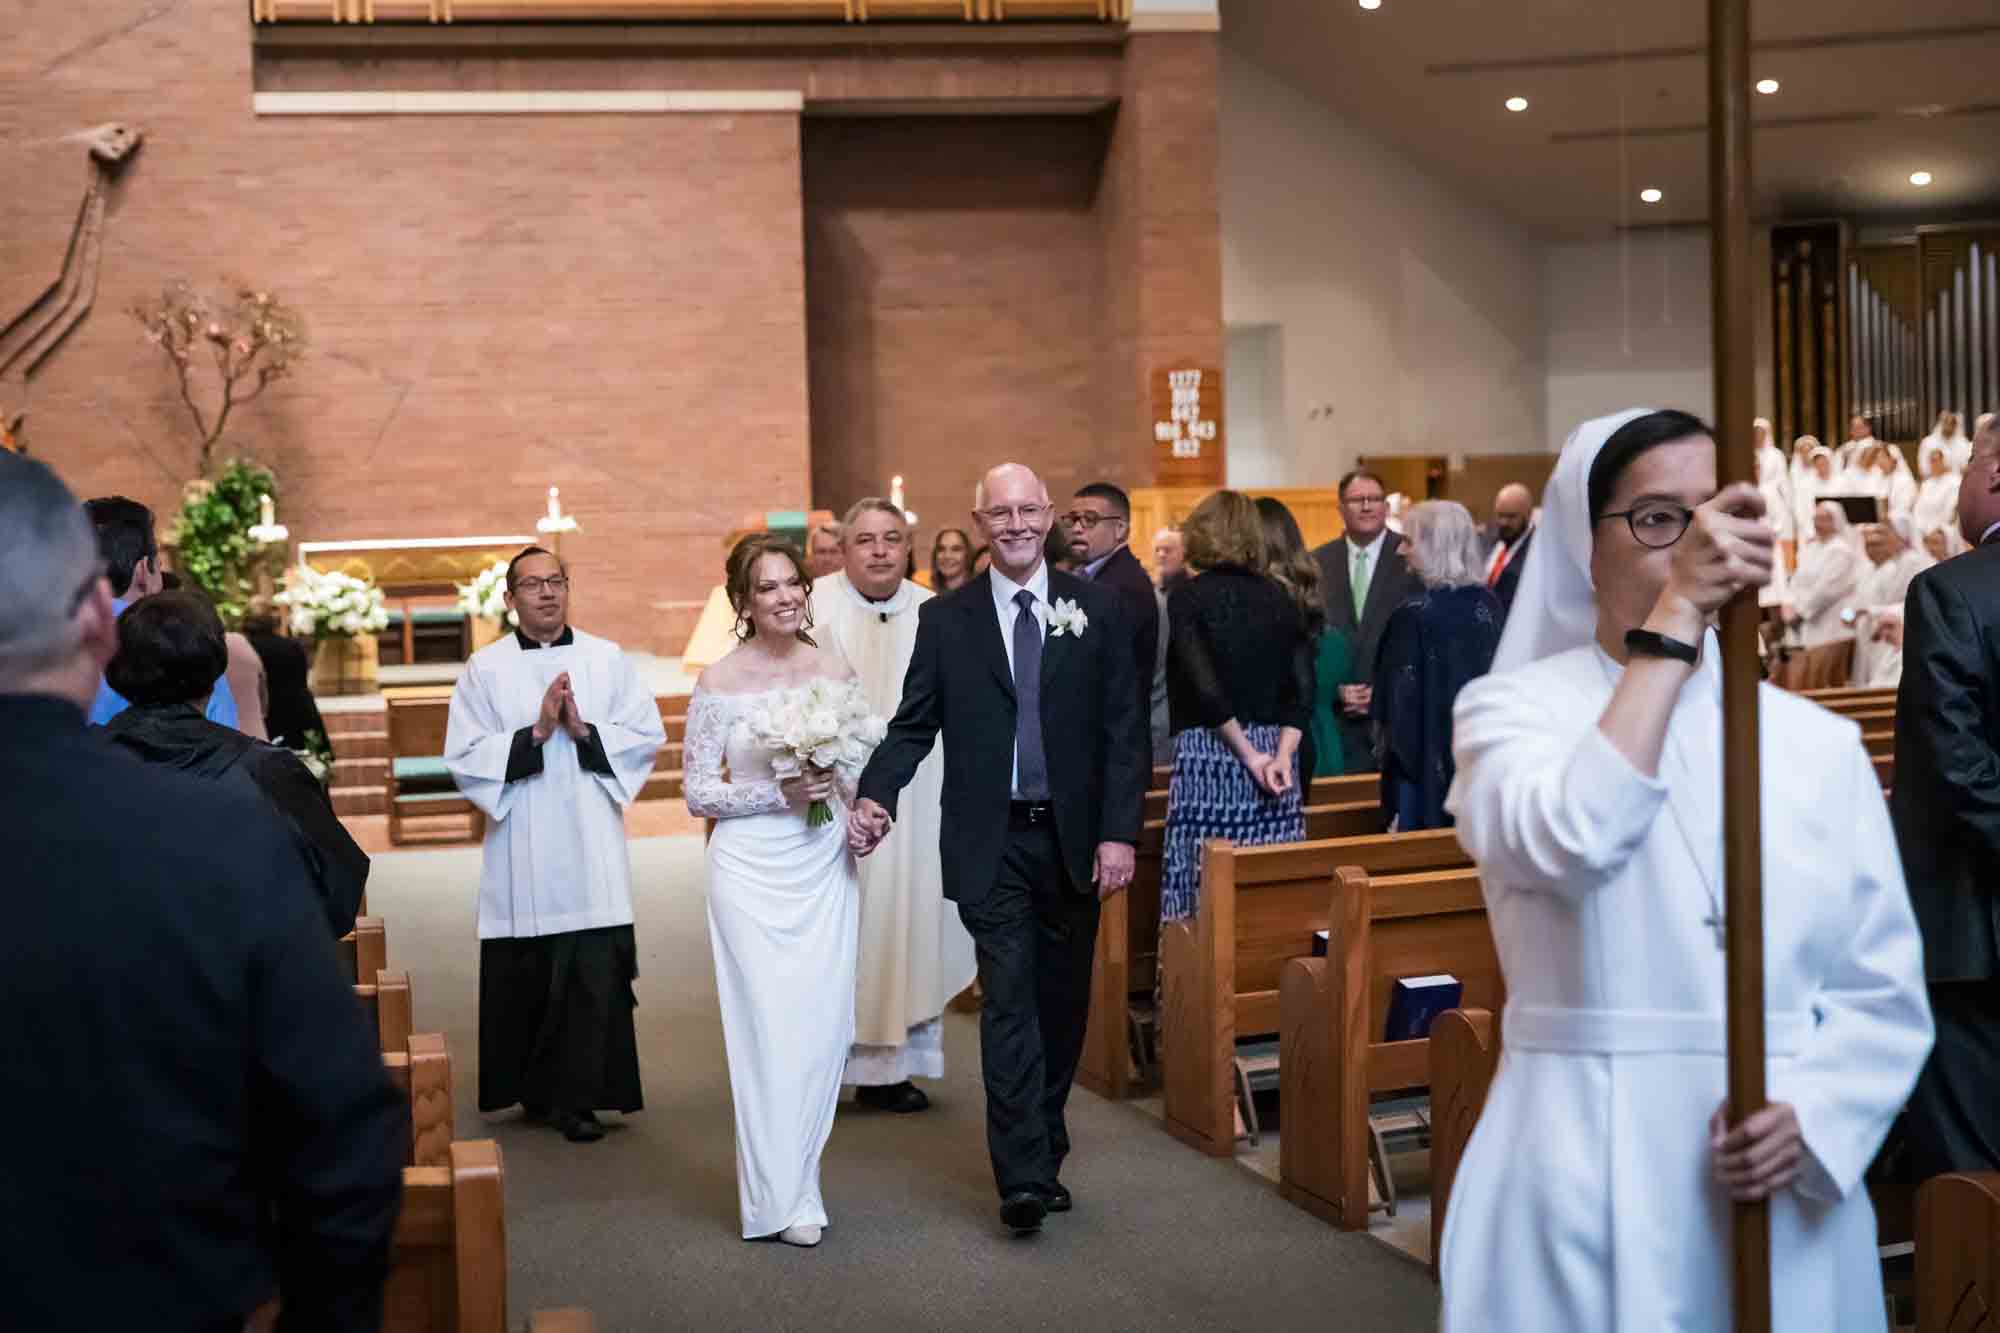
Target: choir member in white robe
(1860, 437)
(1594, 1195)
(1819, 479)
(552, 734)
(915, 955)
(1774, 479)
(1949, 435)
(1894, 559)
(1829, 568)
(1936, 509)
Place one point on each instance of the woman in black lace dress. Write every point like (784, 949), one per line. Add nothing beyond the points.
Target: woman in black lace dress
(1239, 693)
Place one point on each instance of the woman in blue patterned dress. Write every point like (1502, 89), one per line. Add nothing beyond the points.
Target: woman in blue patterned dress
(1431, 648)
(1239, 694)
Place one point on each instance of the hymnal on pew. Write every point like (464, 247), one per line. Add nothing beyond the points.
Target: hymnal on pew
(1415, 1003)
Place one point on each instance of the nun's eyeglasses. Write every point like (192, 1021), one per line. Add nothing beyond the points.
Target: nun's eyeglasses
(1655, 523)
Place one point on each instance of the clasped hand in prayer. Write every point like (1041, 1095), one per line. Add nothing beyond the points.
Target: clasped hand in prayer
(868, 823)
(559, 710)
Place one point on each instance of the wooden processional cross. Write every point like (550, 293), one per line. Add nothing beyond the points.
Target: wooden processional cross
(1733, 281)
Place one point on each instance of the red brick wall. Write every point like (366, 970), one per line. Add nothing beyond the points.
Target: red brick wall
(951, 277)
(613, 304)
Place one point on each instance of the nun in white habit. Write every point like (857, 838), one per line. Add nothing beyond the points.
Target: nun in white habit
(1595, 1192)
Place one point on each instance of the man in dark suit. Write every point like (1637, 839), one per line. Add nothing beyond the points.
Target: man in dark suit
(1513, 533)
(195, 1115)
(1099, 524)
(1946, 804)
(1028, 674)
(1364, 578)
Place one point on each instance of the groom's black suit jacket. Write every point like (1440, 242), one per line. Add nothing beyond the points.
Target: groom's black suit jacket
(1095, 740)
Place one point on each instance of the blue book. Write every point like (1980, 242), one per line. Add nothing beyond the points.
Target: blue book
(1415, 1002)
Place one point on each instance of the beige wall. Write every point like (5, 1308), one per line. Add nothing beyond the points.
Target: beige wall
(1628, 326)
(1412, 311)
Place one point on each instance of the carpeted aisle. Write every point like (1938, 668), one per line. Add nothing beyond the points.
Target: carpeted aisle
(642, 1226)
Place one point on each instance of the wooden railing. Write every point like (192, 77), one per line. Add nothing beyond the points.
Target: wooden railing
(688, 11)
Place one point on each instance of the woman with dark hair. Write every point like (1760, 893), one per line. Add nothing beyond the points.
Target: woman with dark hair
(1239, 689)
(1589, 796)
(783, 897)
(291, 715)
(170, 653)
(1432, 646)
(951, 561)
(1290, 564)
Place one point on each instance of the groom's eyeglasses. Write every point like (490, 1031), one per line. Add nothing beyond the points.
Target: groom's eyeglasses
(1000, 517)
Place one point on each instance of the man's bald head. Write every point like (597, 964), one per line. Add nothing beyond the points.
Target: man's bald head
(1011, 508)
(1513, 507)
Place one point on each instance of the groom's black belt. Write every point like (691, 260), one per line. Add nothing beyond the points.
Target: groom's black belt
(1030, 814)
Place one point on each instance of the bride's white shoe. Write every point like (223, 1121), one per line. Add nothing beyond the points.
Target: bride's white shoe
(805, 1237)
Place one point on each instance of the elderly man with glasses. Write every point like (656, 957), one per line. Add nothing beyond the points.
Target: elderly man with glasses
(1099, 524)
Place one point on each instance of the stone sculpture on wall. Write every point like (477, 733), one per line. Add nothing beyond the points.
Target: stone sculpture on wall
(29, 336)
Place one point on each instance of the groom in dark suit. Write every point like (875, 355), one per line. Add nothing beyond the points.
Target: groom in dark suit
(1028, 673)
(1364, 577)
(1946, 805)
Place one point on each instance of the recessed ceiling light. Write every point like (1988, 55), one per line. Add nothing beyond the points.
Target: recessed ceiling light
(1517, 104)
(1767, 86)
(1371, 4)
(1920, 178)
(1650, 196)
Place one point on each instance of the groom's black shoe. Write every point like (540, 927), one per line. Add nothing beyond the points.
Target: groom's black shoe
(1023, 1211)
(902, 1098)
(1055, 1197)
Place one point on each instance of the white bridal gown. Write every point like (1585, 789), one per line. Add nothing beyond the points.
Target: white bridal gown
(782, 914)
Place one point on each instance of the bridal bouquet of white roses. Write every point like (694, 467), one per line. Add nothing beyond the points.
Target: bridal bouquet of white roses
(485, 598)
(824, 725)
(333, 604)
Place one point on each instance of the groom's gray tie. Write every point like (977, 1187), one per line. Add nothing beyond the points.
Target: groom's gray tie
(1028, 756)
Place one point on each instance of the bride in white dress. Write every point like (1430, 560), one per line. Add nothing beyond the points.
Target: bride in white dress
(782, 902)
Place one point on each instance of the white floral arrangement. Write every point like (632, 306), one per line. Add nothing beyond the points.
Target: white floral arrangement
(824, 725)
(1064, 617)
(333, 605)
(485, 598)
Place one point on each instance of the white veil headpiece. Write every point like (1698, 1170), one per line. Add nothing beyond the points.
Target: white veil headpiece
(1555, 607)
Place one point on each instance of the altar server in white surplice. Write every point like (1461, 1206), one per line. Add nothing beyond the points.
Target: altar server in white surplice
(915, 954)
(552, 734)
(1595, 1193)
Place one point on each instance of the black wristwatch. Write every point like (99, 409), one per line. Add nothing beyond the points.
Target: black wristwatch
(1646, 643)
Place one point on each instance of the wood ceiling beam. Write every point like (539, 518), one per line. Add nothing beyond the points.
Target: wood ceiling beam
(1824, 42)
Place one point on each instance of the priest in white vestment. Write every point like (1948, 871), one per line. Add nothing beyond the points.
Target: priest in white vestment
(1595, 1193)
(552, 734)
(915, 954)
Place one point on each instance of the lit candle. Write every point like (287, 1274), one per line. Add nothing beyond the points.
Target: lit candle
(896, 491)
(555, 507)
(267, 511)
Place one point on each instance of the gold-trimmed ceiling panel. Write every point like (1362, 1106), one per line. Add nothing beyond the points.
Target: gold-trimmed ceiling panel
(688, 11)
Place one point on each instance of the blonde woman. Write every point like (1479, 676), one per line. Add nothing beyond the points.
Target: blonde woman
(1239, 687)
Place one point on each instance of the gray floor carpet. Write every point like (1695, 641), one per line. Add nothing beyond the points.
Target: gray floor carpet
(642, 1226)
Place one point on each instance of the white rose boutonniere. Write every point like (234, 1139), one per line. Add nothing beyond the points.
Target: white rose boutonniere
(1065, 617)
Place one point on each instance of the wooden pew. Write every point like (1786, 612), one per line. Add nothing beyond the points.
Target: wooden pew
(1958, 1252)
(416, 783)
(386, 1000)
(1220, 970)
(448, 1261)
(1126, 962)
(1879, 743)
(422, 1070)
(1847, 701)
(1333, 1011)
(364, 951)
(1885, 769)
(1465, 1054)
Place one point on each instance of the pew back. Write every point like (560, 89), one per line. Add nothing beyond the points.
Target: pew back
(1334, 1013)
(448, 1264)
(1465, 1054)
(1958, 1252)
(1220, 970)
(422, 1071)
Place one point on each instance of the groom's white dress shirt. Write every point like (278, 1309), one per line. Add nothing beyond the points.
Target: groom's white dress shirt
(1004, 591)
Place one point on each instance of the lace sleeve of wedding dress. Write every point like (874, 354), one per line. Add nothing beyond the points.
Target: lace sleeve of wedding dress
(709, 794)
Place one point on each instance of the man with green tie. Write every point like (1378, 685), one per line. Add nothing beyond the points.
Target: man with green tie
(1364, 578)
